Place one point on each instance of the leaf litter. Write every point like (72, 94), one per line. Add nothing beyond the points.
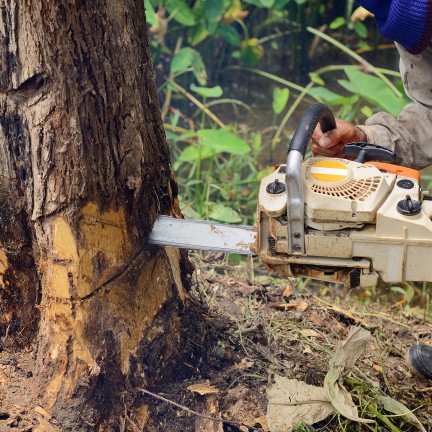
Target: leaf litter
(244, 349)
(333, 363)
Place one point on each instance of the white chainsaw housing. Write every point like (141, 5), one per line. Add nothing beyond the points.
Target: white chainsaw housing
(353, 229)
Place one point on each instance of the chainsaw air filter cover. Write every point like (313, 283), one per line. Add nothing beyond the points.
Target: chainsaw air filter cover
(340, 193)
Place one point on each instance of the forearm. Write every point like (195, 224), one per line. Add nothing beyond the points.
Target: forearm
(409, 136)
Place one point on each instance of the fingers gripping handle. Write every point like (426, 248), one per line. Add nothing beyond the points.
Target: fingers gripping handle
(318, 113)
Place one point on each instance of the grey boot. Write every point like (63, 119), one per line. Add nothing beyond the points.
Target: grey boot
(419, 359)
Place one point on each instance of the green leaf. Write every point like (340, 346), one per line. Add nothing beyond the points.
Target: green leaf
(197, 34)
(256, 142)
(280, 99)
(230, 34)
(183, 59)
(337, 23)
(261, 3)
(220, 140)
(326, 95)
(400, 410)
(199, 70)
(222, 213)
(207, 92)
(280, 4)
(181, 12)
(213, 9)
(373, 90)
(192, 154)
(361, 29)
(366, 111)
(212, 27)
(189, 213)
(251, 52)
(315, 78)
(364, 45)
(186, 58)
(151, 18)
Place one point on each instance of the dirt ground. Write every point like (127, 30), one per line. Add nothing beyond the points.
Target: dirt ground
(253, 327)
(264, 326)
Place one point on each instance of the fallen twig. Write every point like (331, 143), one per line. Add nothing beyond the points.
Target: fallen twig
(205, 416)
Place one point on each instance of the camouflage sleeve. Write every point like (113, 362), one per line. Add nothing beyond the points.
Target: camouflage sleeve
(410, 134)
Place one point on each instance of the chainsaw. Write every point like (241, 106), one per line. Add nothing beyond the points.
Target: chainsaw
(347, 221)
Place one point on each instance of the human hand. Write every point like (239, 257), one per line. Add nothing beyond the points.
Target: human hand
(332, 143)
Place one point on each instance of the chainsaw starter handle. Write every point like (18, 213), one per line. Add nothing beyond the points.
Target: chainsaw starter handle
(317, 113)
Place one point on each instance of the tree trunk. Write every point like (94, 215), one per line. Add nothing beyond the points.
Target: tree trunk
(84, 170)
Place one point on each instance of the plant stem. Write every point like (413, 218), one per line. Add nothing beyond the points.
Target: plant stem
(197, 103)
(360, 59)
(289, 113)
(273, 77)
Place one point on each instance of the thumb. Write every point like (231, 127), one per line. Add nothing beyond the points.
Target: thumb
(330, 139)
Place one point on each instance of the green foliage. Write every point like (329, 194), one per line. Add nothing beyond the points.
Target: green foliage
(219, 166)
(189, 58)
(180, 12)
(207, 92)
(364, 88)
(371, 89)
(280, 99)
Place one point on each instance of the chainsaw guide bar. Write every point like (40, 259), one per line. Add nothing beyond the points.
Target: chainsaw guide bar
(203, 235)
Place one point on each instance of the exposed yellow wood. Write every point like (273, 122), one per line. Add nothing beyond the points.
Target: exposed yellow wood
(77, 268)
(173, 255)
(59, 280)
(64, 244)
(105, 245)
(3, 265)
(137, 307)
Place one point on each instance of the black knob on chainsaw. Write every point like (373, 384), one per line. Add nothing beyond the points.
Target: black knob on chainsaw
(364, 152)
(408, 207)
(275, 187)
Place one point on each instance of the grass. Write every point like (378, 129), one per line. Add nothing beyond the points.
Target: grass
(298, 344)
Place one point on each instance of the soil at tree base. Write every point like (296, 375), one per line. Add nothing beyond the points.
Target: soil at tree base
(237, 334)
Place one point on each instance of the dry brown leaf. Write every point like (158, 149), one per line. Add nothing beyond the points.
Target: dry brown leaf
(398, 304)
(307, 349)
(302, 306)
(288, 292)
(348, 315)
(292, 402)
(342, 361)
(360, 14)
(309, 333)
(203, 389)
(244, 364)
(315, 319)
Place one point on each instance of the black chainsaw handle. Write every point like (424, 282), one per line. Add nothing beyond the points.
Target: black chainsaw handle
(317, 113)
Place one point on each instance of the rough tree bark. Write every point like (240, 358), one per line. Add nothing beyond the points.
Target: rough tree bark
(84, 169)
